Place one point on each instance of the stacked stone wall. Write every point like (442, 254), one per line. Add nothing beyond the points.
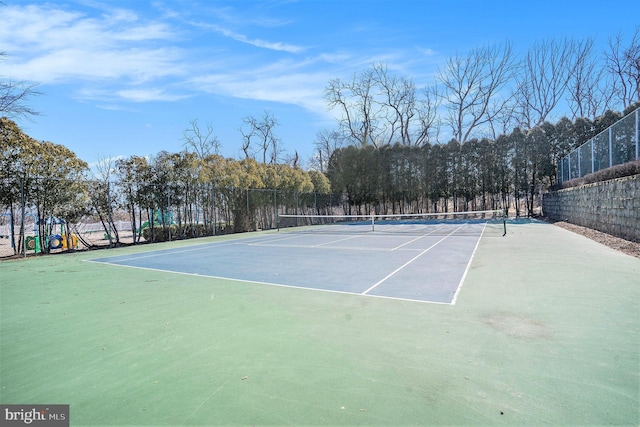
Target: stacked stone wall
(612, 206)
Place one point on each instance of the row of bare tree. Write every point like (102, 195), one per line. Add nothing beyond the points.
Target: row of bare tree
(502, 173)
(483, 94)
(487, 92)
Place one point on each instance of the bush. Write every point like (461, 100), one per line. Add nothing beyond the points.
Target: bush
(160, 234)
(187, 231)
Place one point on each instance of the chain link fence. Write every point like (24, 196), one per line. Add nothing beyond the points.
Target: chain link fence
(618, 144)
(49, 215)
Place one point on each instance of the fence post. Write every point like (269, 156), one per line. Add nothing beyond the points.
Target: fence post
(168, 211)
(579, 161)
(22, 203)
(275, 207)
(213, 210)
(637, 133)
(610, 147)
(593, 157)
(110, 216)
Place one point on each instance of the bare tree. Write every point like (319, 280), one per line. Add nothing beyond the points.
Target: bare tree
(378, 108)
(504, 121)
(590, 91)
(408, 118)
(326, 142)
(247, 131)
(398, 100)
(546, 70)
(359, 111)
(14, 96)
(426, 108)
(473, 88)
(202, 142)
(261, 131)
(102, 196)
(624, 65)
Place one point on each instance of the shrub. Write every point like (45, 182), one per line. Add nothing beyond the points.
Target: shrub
(617, 171)
(187, 231)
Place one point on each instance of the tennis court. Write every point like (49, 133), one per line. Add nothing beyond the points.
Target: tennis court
(416, 261)
(545, 330)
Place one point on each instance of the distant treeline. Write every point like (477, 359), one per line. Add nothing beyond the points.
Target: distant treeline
(505, 173)
(228, 195)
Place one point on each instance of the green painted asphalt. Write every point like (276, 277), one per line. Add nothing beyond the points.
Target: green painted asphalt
(544, 331)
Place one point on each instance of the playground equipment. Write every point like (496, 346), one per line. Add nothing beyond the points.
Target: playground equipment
(158, 220)
(32, 243)
(49, 233)
(57, 235)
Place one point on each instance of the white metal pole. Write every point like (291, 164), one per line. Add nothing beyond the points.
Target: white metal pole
(579, 162)
(593, 158)
(637, 133)
(610, 147)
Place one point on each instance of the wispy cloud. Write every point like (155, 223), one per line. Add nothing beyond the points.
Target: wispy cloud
(109, 98)
(302, 89)
(296, 82)
(147, 95)
(277, 46)
(73, 64)
(114, 57)
(50, 45)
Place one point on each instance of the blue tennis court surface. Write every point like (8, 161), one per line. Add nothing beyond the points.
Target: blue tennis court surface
(419, 267)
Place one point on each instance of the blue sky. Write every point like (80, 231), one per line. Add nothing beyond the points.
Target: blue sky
(122, 78)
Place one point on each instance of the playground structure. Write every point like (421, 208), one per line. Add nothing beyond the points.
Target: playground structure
(55, 234)
(159, 219)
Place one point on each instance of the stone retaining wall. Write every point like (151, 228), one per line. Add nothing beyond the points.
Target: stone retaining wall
(611, 206)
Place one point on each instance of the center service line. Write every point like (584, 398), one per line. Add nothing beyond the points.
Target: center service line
(410, 261)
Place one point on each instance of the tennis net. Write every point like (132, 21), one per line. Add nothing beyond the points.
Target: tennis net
(474, 222)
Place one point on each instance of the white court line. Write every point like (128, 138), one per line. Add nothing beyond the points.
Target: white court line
(418, 238)
(410, 261)
(335, 241)
(466, 270)
(242, 241)
(334, 248)
(269, 243)
(275, 239)
(162, 252)
(196, 247)
(281, 285)
(410, 241)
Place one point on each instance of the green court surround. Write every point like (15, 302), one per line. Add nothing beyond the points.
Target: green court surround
(546, 330)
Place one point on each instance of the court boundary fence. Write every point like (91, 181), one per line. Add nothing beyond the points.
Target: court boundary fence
(105, 216)
(41, 215)
(618, 144)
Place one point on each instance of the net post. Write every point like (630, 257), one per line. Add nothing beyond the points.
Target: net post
(504, 222)
(373, 228)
